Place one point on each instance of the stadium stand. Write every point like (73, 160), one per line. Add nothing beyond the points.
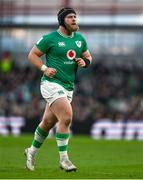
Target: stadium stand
(112, 88)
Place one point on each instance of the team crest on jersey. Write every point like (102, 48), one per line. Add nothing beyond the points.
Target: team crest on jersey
(78, 43)
(61, 44)
(71, 54)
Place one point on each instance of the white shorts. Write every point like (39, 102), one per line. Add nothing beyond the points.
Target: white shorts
(52, 91)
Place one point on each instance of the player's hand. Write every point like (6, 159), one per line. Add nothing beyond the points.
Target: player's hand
(50, 72)
(80, 62)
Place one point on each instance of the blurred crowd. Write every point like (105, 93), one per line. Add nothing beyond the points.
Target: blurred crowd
(101, 92)
(109, 92)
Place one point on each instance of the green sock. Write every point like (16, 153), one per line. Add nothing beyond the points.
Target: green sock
(62, 143)
(38, 140)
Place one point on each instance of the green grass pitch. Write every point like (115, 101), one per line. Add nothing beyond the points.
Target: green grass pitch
(95, 159)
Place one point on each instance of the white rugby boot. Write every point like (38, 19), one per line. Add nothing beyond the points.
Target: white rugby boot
(67, 165)
(30, 160)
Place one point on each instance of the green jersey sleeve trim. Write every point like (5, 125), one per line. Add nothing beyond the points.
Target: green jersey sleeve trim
(42, 44)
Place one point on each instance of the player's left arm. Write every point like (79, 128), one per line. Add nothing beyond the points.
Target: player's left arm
(85, 59)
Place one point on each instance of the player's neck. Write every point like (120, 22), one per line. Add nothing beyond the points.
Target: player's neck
(64, 31)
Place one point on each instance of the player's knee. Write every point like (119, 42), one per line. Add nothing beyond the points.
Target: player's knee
(67, 120)
(50, 124)
(47, 123)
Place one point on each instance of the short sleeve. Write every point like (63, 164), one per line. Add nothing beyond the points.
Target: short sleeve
(43, 44)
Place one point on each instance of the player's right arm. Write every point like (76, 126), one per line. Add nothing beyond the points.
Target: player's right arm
(34, 57)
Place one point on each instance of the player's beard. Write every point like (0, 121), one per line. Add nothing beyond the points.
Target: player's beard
(72, 28)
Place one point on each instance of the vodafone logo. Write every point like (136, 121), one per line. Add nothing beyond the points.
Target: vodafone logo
(71, 54)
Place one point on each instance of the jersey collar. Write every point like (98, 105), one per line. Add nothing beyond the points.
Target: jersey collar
(65, 35)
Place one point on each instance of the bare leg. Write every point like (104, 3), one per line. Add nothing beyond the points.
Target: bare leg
(63, 111)
(49, 120)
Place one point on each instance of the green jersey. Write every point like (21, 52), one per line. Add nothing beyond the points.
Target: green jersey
(60, 51)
